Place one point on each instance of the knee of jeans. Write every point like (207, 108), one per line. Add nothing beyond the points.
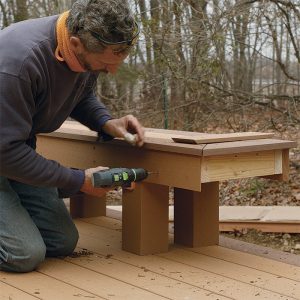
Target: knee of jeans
(25, 261)
(66, 244)
(34, 258)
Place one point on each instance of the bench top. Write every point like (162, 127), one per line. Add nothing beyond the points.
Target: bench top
(162, 140)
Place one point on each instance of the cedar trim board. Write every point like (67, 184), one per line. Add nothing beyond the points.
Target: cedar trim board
(163, 145)
(74, 130)
(150, 143)
(168, 133)
(187, 137)
(208, 138)
(174, 169)
(246, 146)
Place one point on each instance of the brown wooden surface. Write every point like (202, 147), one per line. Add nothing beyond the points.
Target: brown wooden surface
(109, 273)
(160, 139)
(82, 205)
(283, 174)
(261, 226)
(246, 146)
(291, 226)
(239, 165)
(196, 216)
(145, 218)
(173, 169)
(209, 138)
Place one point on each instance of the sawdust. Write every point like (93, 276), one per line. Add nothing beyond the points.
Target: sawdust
(81, 253)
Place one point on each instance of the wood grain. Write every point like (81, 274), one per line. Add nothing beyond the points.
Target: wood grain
(209, 138)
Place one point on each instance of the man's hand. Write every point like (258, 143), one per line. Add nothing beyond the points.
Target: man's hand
(87, 186)
(119, 127)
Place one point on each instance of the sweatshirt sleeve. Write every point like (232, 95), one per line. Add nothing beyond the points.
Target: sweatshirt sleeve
(18, 161)
(90, 111)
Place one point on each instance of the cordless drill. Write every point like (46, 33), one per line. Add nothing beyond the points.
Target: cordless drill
(118, 177)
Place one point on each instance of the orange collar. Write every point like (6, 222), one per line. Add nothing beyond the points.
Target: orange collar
(63, 51)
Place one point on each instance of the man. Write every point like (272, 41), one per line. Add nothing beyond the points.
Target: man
(48, 71)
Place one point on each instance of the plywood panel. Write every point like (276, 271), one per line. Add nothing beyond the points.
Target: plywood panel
(234, 166)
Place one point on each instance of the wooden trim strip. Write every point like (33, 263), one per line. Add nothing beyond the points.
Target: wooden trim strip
(261, 226)
(246, 146)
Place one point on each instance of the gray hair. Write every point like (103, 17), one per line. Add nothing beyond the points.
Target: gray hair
(110, 19)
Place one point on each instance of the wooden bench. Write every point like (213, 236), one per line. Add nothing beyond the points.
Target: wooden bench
(194, 170)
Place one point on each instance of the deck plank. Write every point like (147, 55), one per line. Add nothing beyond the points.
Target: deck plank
(208, 277)
(252, 261)
(99, 284)
(253, 277)
(182, 273)
(244, 259)
(44, 287)
(8, 292)
(143, 278)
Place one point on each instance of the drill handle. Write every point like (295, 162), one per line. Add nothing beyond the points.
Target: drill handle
(118, 177)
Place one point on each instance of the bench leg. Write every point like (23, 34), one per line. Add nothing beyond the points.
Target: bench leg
(145, 219)
(196, 216)
(85, 206)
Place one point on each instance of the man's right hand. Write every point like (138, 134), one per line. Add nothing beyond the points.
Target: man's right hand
(87, 186)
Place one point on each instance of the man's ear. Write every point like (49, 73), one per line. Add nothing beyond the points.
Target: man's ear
(76, 45)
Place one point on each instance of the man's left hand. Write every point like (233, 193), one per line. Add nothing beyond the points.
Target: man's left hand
(129, 123)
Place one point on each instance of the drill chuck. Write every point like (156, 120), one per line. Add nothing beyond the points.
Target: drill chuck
(118, 177)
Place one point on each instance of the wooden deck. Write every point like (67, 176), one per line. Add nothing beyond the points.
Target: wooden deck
(107, 272)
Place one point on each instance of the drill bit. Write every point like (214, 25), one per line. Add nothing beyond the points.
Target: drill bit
(152, 172)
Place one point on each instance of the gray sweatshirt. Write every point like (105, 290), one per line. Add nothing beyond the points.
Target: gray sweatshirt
(37, 94)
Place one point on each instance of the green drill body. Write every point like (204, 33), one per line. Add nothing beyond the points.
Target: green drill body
(118, 177)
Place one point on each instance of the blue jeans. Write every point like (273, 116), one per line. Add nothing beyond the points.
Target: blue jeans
(34, 223)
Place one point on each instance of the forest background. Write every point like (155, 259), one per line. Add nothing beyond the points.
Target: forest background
(210, 66)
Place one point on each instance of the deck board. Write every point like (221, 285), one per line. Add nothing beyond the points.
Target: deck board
(42, 286)
(97, 282)
(252, 261)
(8, 292)
(206, 271)
(182, 273)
